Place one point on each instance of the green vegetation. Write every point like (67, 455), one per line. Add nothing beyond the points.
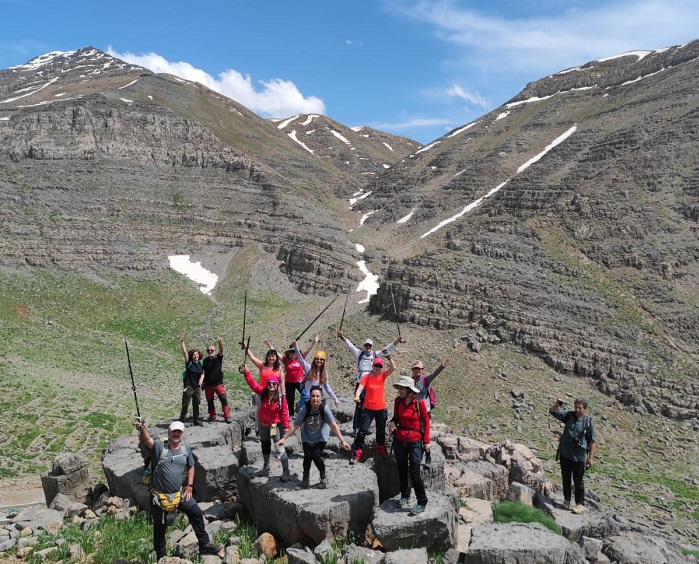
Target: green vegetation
(130, 539)
(515, 512)
(110, 539)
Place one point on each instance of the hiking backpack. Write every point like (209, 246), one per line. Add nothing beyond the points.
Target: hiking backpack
(321, 410)
(430, 393)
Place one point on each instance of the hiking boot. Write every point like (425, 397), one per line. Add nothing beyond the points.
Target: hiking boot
(305, 483)
(579, 508)
(229, 420)
(323, 483)
(197, 423)
(566, 504)
(211, 418)
(417, 510)
(355, 456)
(403, 502)
(264, 471)
(211, 548)
(285, 477)
(381, 451)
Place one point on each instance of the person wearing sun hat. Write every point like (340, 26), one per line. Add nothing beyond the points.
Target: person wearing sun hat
(174, 466)
(411, 425)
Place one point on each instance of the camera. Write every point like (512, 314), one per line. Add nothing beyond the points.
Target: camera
(576, 442)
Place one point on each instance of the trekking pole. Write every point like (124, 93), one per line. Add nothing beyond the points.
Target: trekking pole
(344, 309)
(133, 382)
(395, 311)
(316, 319)
(247, 345)
(245, 310)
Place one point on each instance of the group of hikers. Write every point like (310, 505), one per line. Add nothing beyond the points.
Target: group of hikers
(279, 416)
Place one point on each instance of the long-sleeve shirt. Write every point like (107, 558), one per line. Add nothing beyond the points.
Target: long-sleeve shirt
(423, 383)
(308, 384)
(270, 412)
(409, 420)
(365, 360)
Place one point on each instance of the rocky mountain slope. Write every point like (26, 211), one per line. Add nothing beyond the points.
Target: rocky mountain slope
(566, 222)
(107, 165)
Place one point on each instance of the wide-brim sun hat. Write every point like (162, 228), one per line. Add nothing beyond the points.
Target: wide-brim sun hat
(406, 382)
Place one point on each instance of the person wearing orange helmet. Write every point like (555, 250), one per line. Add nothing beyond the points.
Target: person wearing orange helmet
(316, 374)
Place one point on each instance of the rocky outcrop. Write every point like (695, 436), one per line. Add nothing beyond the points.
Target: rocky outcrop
(68, 476)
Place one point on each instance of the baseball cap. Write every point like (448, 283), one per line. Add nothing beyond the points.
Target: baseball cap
(368, 342)
(418, 364)
(378, 362)
(176, 426)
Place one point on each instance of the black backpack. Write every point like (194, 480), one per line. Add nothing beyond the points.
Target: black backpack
(307, 405)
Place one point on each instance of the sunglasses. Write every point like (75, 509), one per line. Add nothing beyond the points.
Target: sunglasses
(211, 351)
(272, 384)
(378, 365)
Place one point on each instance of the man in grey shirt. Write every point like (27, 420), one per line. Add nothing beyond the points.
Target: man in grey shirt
(174, 465)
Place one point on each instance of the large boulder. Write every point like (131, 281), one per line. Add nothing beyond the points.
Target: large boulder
(519, 543)
(480, 478)
(309, 516)
(68, 476)
(436, 528)
(216, 448)
(641, 548)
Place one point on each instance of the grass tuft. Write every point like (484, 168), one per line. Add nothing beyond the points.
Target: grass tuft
(515, 512)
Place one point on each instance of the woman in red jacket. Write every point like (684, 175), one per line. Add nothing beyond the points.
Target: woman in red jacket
(272, 413)
(411, 424)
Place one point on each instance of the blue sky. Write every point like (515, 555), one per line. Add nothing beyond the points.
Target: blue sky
(417, 68)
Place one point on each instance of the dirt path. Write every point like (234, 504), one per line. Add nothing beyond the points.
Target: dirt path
(20, 491)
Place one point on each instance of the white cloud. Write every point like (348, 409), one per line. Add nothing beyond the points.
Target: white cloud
(416, 122)
(544, 42)
(476, 99)
(276, 98)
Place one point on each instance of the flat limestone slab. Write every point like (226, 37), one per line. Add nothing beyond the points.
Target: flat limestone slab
(395, 528)
(309, 516)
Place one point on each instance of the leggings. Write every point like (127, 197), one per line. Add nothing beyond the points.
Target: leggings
(313, 453)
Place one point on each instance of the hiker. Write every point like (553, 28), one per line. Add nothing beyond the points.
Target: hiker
(272, 413)
(192, 379)
(213, 382)
(374, 407)
(316, 374)
(294, 372)
(411, 424)
(576, 449)
(365, 359)
(173, 467)
(272, 365)
(315, 420)
(423, 382)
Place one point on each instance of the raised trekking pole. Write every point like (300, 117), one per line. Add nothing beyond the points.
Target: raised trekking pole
(344, 309)
(316, 319)
(395, 311)
(245, 310)
(246, 345)
(133, 382)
